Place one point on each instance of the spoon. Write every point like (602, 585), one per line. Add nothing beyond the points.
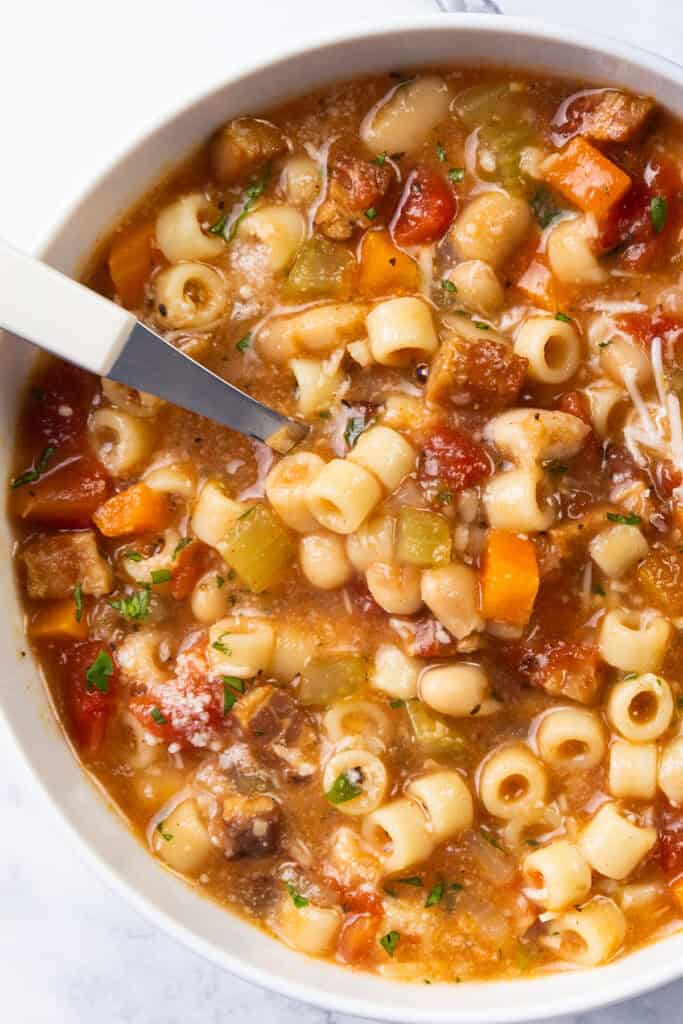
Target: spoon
(66, 318)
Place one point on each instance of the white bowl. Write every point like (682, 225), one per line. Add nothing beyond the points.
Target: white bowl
(122, 861)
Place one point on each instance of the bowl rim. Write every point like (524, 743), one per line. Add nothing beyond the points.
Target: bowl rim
(607, 990)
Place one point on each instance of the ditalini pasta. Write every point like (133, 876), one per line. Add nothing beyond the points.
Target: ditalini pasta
(410, 696)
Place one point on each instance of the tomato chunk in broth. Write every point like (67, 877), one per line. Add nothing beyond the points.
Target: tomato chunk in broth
(408, 697)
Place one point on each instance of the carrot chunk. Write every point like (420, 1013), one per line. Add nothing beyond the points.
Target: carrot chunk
(138, 509)
(58, 619)
(538, 285)
(132, 258)
(384, 268)
(509, 580)
(586, 177)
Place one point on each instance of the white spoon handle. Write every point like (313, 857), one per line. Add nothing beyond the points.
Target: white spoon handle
(60, 315)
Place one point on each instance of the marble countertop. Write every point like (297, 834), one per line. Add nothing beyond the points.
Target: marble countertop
(81, 77)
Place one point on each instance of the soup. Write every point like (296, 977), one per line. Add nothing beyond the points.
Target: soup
(407, 697)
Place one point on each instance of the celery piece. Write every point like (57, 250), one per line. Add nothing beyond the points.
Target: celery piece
(328, 678)
(433, 734)
(321, 270)
(506, 142)
(258, 547)
(423, 538)
(481, 104)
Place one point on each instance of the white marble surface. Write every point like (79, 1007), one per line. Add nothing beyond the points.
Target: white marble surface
(77, 79)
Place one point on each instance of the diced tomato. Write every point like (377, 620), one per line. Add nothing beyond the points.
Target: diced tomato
(64, 497)
(57, 408)
(357, 941)
(452, 461)
(426, 208)
(88, 706)
(150, 715)
(192, 562)
(630, 227)
(670, 849)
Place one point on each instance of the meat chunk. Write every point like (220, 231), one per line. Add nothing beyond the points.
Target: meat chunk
(242, 145)
(252, 826)
(55, 564)
(611, 116)
(356, 185)
(487, 373)
(280, 729)
(564, 669)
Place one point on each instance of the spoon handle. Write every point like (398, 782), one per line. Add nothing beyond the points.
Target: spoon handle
(60, 315)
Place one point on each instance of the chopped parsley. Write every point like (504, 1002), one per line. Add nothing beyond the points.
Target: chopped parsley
(97, 675)
(355, 426)
(411, 880)
(232, 575)
(78, 600)
(219, 227)
(297, 899)
(445, 497)
(659, 212)
(557, 468)
(380, 160)
(158, 716)
(626, 520)
(243, 344)
(221, 647)
(220, 581)
(251, 194)
(390, 941)
(164, 835)
(397, 703)
(441, 152)
(31, 475)
(344, 788)
(435, 895)
(448, 286)
(604, 344)
(230, 684)
(481, 326)
(597, 589)
(371, 213)
(563, 318)
(133, 556)
(491, 839)
(456, 174)
(161, 575)
(324, 414)
(543, 206)
(133, 606)
(181, 545)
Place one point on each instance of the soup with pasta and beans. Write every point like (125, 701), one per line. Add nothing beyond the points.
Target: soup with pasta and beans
(408, 697)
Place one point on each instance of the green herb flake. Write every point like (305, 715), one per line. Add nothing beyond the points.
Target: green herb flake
(324, 414)
(597, 589)
(456, 887)
(448, 286)
(441, 153)
(380, 160)
(397, 703)
(133, 556)
(390, 941)
(456, 174)
(158, 716)
(164, 835)
(343, 789)
(563, 318)
(543, 206)
(255, 190)
(410, 880)
(491, 839)
(31, 475)
(234, 682)
(221, 647)
(161, 575)
(97, 675)
(626, 520)
(435, 894)
(298, 900)
(604, 344)
(229, 698)
(557, 468)
(354, 428)
(532, 842)
(243, 344)
(444, 497)
(133, 606)
(181, 545)
(481, 326)
(659, 212)
(371, 213)
(220, 581)
(78, 600)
